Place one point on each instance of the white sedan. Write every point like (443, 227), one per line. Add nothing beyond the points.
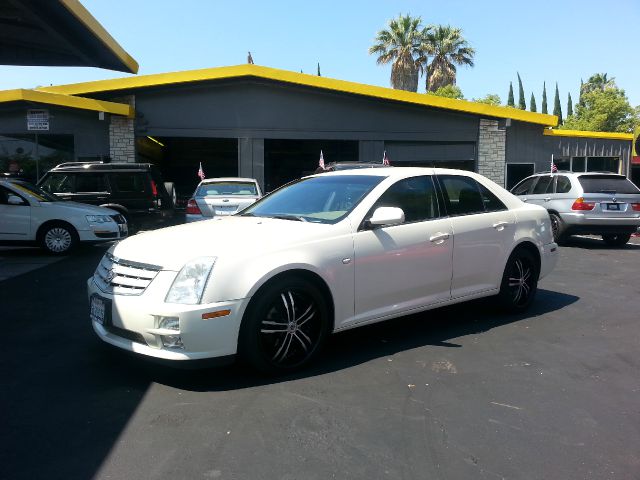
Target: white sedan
(322, 254)
(221, 196)
(31, 216)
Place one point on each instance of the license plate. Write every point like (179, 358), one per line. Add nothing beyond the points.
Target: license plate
(98, 309)
(226, 209)
(613, 206)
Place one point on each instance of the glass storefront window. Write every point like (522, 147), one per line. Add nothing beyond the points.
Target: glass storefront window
(31, 155)
(578, 164)
(603, 164)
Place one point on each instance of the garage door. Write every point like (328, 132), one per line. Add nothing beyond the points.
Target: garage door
(432, 154)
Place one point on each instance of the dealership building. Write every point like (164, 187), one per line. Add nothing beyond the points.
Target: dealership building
(269, 124)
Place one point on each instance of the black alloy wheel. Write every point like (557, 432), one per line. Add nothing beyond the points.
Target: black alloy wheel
(616, 239)
(557, 228)
(519, 281)
(285, 327)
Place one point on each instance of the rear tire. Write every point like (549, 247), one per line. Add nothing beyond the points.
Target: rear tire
(519, 282)
(58, 238)
(616, 239)
(557, 228)
(284, 327)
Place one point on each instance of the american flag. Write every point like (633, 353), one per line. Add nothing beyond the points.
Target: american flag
(201, 172)
(554, 169)
(385, 159)
(321, 162)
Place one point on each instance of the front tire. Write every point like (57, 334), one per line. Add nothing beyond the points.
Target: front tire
(285, 326)
(519, 282)
(616, 239)
(58, 238)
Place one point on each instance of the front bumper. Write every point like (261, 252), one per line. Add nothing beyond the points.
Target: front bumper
(104, 233)
(132, 323)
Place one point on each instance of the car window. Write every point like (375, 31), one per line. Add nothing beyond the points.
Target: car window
(491, 202)
(462, 195)
(544, 185)
(227, 188)
(613, 184)
(58, 183)
(523, 187)
(91, 182)
(416, 197)
(563, 184)
(129, 182)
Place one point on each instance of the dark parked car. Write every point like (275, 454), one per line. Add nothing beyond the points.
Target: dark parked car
(136, 190)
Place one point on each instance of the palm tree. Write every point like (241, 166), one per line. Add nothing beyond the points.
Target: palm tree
(447, 48)
(400, 44)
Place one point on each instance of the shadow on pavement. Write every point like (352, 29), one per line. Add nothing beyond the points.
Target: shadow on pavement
(596, 243)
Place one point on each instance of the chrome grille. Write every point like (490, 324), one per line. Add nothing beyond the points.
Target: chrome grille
(123, 277)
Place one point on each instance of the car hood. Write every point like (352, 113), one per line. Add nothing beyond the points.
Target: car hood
(81, 208)
(172, 247)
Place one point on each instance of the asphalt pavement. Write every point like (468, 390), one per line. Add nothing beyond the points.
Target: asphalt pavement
(456, 393)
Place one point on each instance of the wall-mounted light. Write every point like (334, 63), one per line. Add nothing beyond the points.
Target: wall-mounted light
(155, 141)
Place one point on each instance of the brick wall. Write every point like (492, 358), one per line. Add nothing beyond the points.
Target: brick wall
(122, 140)
(491, 151)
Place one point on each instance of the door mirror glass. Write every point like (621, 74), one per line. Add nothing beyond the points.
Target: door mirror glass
(14, 200)
(386, 216)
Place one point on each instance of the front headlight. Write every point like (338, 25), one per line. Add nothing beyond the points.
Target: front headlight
(188, 286)
(99, 219)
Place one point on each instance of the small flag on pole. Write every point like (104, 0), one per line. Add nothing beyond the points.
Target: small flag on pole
(321, 162)
(201, 172)
(554, 169)
(385, 159)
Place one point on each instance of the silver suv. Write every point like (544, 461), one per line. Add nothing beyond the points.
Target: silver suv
(597, 203)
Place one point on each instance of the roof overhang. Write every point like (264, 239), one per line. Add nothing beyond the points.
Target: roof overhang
(285, 76)
(588, 134)
(69, 101)
(57, 33)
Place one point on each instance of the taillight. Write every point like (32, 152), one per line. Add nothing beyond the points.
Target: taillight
(193, 208)
(154, 188)
(580, 204)
(636, 207)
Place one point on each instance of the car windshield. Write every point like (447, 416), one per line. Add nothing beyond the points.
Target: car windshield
(36, 192)
(612, 184)
(322, 199)
(226, 188)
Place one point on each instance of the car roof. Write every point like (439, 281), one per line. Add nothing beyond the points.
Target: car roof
(93, 166)
(580, 174)
(228, 179)
(399, 172)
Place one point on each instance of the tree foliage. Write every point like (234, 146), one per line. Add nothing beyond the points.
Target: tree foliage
(401, 45)
(604, 110)
(557, 108)
(446, 47)
(449, 91)
(522, 105)
(489, 99)
(510, 101)
(532, 104)
(569, 106)
(544, 98)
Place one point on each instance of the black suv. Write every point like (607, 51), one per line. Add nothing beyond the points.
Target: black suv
(136, 190)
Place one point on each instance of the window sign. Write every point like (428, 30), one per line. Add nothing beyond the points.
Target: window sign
(38, 120)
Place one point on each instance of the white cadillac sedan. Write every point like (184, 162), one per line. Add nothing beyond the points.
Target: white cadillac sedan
(322, 254)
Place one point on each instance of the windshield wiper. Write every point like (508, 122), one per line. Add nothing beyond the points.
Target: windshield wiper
(284, 216)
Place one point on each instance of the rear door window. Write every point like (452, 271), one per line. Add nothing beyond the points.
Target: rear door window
(612, 184)
(491, 202)
(132, 183)
(563, 184)
(462, 195)
(91, 183)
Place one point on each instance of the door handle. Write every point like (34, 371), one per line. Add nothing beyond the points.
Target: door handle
(547, 199)
(438, 238)
(525, 199)
(500, 225)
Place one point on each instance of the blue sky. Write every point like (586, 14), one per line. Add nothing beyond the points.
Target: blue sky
(561, 41)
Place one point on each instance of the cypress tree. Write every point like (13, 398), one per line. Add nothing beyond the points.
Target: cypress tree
(522, 105)
(532, 103)
(557, 109)
(510, 101)
(569, 106)
(544, 98)
(319, 69)
(580, 96)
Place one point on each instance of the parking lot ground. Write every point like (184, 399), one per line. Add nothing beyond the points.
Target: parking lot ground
(455, 393)
(16, 261)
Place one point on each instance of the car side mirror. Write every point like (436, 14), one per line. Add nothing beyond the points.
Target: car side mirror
(14, 200)
(385, 217)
